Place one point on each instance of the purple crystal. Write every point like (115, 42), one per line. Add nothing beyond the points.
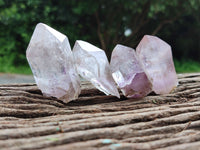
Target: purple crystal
(157, 61)
(92, 64)
(128, 73)
(50, 57)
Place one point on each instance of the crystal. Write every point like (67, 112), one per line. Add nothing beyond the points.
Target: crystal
(92, 64)
(157, 61)
(51, 60)
(128, 73)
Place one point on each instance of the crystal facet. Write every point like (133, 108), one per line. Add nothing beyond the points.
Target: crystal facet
(128, 73)
(92, 64)
(50, 57)
(157, 61)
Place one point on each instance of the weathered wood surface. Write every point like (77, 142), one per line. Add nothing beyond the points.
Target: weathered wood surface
(29, 120)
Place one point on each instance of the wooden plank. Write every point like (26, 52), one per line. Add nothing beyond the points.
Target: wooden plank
(29, 120)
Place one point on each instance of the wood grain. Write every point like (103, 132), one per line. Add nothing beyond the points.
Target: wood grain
(29, 120)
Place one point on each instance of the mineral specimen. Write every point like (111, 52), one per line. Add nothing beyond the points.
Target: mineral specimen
(92, 64)
(157, 61)
(128, 73)
(50, 57)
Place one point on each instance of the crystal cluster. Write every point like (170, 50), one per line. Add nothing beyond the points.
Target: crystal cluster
(92, 64)
(50, 57)
(150, 68)
(55, 67)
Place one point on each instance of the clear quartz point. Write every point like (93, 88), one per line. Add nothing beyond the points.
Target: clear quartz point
(157, 61)
(92, 64)
(51, 60)
(128, 73)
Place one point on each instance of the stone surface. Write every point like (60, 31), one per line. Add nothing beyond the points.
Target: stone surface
(50, 57)
(128, 73)
(92, 64)
(157, 61)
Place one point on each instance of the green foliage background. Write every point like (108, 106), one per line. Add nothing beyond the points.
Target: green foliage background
(102, 23)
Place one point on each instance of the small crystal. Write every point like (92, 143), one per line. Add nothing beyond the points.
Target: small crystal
(157, 61)
(50, 57)
(92, 64)
(128, 73)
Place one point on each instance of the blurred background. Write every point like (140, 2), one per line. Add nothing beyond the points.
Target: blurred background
(103, 23)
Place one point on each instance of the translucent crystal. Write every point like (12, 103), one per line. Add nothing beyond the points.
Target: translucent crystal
(157, 61)
(128, 73)
(92, 64)
(50, 57)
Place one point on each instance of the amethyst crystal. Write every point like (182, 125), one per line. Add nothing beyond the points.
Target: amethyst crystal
(128, 73)
(92, 64)
(157, 61)
(50, 57)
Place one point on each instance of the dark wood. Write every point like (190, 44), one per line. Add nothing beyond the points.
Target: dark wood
(29, 120)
